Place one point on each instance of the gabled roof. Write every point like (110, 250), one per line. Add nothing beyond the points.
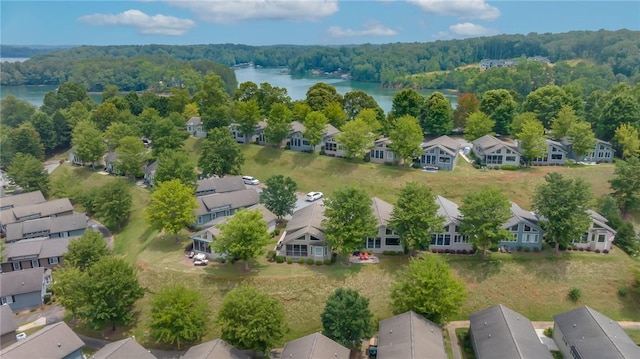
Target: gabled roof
(556, 144)
(598, 219)
(194, 121)
(381, 210)
(329, 130)
(212, 226)
(445, 142)
(567, 141)
(410, 336)
(22, 199)
(488, 144)
(127, 348)
(306, 220)
(44, 209)
(111, 156)
(7, 323)
(215, 349)
(501, 333)
(448, 210)
(518, 215)
(51, 342)
(382, 140)
(35, 248)
(150, 169)
(314, 346)
(232, 200)
(21, 281)
(220, 185)
(594, 335)
(52, 224)
(297, 126)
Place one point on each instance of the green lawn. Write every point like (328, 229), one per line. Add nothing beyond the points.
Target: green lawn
(634, 334)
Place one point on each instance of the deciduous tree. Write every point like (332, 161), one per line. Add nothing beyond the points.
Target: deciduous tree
(86, 250)
(478, 125)
(315, 126)
(468, 103)
(519, 120)
(27, 172)
(278, 124)
(87, 141)
(45, 127)
(247, 115)
(279, 195)
(483, 214)
(213, 102)
(619, 109)
(112, 203)
(176, 165)
(562, 123)
(172, 207)
(165, 136)
(320, 95)
(357, 137)
(243, 236)
(532, 139)
(335, 114)
(625, 185)
(406, 102)
(582, 138)
(119, 130)
(346, 318)
(406, 136)
(14, 111)
(131, 155)
(221, 154)
(427, 287)
(356, 101)
(25, 139)
(250, 319)
(628, 138)
(546, 102)
(500, 107)
(415, 216)
(436, 118)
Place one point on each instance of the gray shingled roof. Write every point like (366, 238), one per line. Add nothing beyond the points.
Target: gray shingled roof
(60, 224)
(123, 349)
(501, 333)
(111, 156)
(448, 210)
(381, 210)
(7, 323)
(38, 247)
(329, 130)
(151, 169)
(194, 121)
(51, 342)
(44, 209)
(22, 199)
(598, 219)
(518, 215)
(297, 126)
(488, 143)
(594, 335)
(410, 336)
(314, 346)
(557, 144)
(234, 200)
(221, 185)
(306, 220)
(212, 226)
(445, 142)
(215, 349)
(21, 281)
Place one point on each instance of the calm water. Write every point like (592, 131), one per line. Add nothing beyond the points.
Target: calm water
(297, 87)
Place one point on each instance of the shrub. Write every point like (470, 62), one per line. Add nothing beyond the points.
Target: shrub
(322, 153)
(300, 260)
(275, 232)
(271, 255)
(400, 253)
(446, 250)
(279, 259)
(440, 250)
(433, 250)
(588, 249)
(47, 298)
(472, 251)
(309, 261)
(569, 248)
(548, 332)
(319, 263)
(597, 251)
(575, 294)
(289, 260)
(623, 291)
(536, 249)
(527, 249)
(327, 261)
(519, 249)
(606, 251)
(458, 251)
(581, 249)
(464, 251)
(509, 167)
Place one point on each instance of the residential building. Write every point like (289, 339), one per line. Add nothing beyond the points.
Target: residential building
(602, 151)
(54, 208)
(127, 348)
(410, 336)
(256, 136)
(51, 227)
(7, 326)
(110, 163)
(386, 239)
(213, 185)
(492, 152)
(195, 127)
(441, 152)
(555, 154)
(74, 159)
(22, 199)
(304, 235)
(490, 63)
(33, 253)
(202, 239)
(539, 59)
(382, 152)
(501, 333)
(225, 204)
(331, 147)
(525, 229)
(56, 341)
(150, 173)
(297, 141)
(450, 238)
(314, 346)
(584, 333)
(24, 289)
(599, 235)
(215, 349)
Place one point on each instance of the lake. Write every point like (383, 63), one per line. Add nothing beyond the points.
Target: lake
(296, 87)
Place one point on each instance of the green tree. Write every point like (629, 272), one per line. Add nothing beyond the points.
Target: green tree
(279, 195)
(349, 219)
(27, 172)
(320, 95)
(406, 137)
(104, 115)
(356, 101)
(246, 91)
(335, 114)
(625, 185)
(628, 138)
(468, 103)
(357, 137)
(415, 216)
(483, 214)
(247, 116)
(582, 138)
(87, 141)
(621, 108)
(478, 125)
(428, 287)
(500, 107)
(131, 154)
(437, 115)
(221, 154)
(110, 91)
(45, 127)
(148, 120)
(66, 184)
(519, 120)
(86, 250)
(562, 204)
(532, 139)
(172, 207)
(69, 288)
(166, 137)
(346, 318)
(213, 102)
(14, 111)
(315, 126)
(178, 316)
(176, 165)
(113, 202)
(562, 123)
(25, 139)
(406, 102)
(546, 102)
(278, 124)
(268, 95)
(300, 111)
(117, 131)
(190, 110)
(243, 236)
(250, 319)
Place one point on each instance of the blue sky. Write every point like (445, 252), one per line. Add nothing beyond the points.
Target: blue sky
(324, 22)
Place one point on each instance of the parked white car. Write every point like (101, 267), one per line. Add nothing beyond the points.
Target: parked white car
(312, 196)
(250, 180)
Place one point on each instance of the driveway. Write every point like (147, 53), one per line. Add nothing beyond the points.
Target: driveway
(300, 202)
(108, 236)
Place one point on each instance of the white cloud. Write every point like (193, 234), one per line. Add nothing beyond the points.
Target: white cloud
(148, 25)
(466, 29)
(370, 29)
(230, 11)
(465, 9)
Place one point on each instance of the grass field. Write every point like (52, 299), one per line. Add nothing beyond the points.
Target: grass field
(535, 284)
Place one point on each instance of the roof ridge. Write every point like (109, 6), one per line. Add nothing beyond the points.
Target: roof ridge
(122, 343)
(313, 344)
(515, 342)
(216, 342)
(411, 336)
(615, 345)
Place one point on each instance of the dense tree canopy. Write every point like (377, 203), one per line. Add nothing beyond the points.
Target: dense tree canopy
(27, 172)
(415, 216)
(483, 214)
(172, 206)
(626, 185)
(86, 250)
(279, 195)
(243, 236)
(346, 318)
(221, 154)
(112, 203)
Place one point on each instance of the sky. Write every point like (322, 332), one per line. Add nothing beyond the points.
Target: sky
(300, 22)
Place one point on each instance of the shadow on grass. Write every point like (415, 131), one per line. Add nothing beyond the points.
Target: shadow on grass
(168, 243)
(545, 265)
(268, 154)
(302, 159)
(476, 267)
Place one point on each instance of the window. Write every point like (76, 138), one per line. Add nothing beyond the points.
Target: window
(374, 242)
(446, 228)
(392, 241)
(499, 151)
(297, 250)
(457, 229)
(300, 238)
(460, 239)
(35, 263)
(529, 238)
(508, 151)
(494, 160)
(444, 160)
(314, 238)
(583, 239)
(388, 231)
(318, 251)
(389, 155)
(512, 239)
(330, 146)
(17, 266)
(53, 260)
(601, 238)
(556, 156)
(510, 159)
(514, 228)
(527, 228)
(379, 154)
(6, 300)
